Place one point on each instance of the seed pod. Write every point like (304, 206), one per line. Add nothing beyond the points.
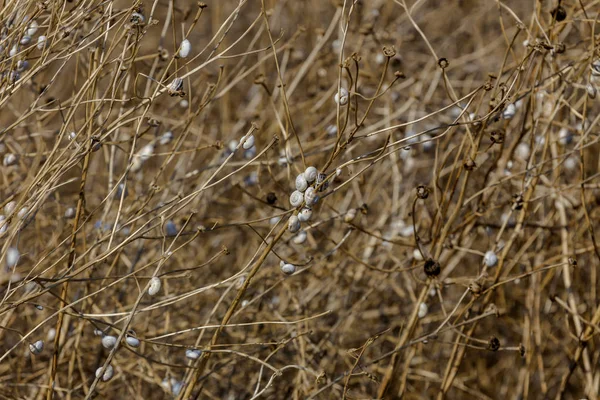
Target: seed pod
(490, 259)
(288, 269)
(311, 174)
(305, 214)
(155, 285)
(422, 310)
(185, 48)
(294, 224)
(249, 142)
(109, 341)
(41, 43)
(193, 354)
(310, 196)
(300, 237)
(301, 183)
(296, 198)
(12, 257)
(9, 159)
(37, 347)
(108, 373)
(341, 97)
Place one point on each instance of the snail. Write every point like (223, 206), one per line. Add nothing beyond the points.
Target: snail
(296, 198)
(294, 224)
(108, 373)
(155, 285)
(185, 48)
(301, 183)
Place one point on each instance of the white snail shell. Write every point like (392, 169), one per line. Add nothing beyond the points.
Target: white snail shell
(311, 174)
(564, 136)
(108, 373)
(41, 42)
(350, 215)
(193, 354)
(305, 214)
(341, 97)
(490, 259)
(510, 111)
(10, 207)
(3, 225)
(301, 183)
(591, 90)
(310, 196)
(155, 285)
(12, 257)
(109, 341)
(32, 28)
(185, 48)
(70, 213)
(25, 40)
(422, 310)
(132, 341)
(248, 143)
(300, 237)
(522, 151)
(9, 159)
(288, 269)
(296, 198)
(37, 347)
(294, 224)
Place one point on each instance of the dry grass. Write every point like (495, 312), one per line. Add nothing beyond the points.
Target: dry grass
(471, 126)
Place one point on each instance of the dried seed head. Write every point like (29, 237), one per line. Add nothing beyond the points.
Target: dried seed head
(494, 344)
(37, 347)
(155, 285)
(109, 341)
(288, 269)
(422, 192)
(185, 48)
(108, 373)
(432, 268)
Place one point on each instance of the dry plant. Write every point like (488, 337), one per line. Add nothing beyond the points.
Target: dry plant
(315, 199)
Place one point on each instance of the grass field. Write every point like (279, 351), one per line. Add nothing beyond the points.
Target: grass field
(369, 199)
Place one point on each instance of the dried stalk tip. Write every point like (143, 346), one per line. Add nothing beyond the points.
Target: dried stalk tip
(432, 268)
(494, 344)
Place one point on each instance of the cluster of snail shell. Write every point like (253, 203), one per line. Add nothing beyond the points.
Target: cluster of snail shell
(305, 196)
